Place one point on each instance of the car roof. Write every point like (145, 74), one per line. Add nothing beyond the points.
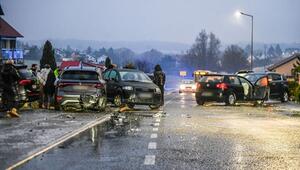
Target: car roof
(219, 74)
(127, 70)
(80, 68)
(262, 73)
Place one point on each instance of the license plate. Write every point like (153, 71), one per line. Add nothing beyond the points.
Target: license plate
(207, 94)
(80, 87)
(145, 95)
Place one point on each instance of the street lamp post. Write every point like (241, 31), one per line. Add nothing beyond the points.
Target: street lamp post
(251, 16)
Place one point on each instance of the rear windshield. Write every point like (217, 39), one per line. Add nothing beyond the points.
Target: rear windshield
(24, 73)
(80, 75)
(212, 79)
(187, 81)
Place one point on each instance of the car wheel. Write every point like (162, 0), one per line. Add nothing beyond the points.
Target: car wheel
(154, 106)
(231, 99)
(118, 100)
(102, 103)
(259, 102)
(200, 102)
(130, 105)
(284, 97)
(57, 107)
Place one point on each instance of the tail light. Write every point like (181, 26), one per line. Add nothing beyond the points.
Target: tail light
(99, 85)
(59, 98)
(25, 82)
(222, 86)
(198, 85)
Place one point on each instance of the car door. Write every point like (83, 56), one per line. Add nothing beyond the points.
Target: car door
(260, 88)
(236, 87)
(275, 85)
(247, 88)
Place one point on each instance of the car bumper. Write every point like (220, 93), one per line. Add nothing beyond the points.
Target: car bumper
(142, 98)
(217, 96)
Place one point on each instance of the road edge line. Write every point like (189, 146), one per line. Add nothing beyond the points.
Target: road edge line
(61, 140)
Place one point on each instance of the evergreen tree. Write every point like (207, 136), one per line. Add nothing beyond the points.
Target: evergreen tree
(271, 52)
(107, 62)
(278, 50)
(48, 56)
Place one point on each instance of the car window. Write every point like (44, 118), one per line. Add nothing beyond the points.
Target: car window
(262, 82)
(212, 79)
(24, 73)
(253, 77)
(234, 80)
(276, 77)
(187, 81)
(80, 75)
(134, 76)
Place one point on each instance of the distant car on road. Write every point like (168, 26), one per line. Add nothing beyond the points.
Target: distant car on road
(81, 87)
(132, 87)
(229, 89)
(187, 86)
(278, 85)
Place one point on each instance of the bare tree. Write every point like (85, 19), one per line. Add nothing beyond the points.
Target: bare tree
(234, 59)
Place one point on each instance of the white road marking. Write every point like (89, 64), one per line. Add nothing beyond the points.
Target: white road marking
(156, 124)
(152, 145)
(149, 160)
(155, 129)
(157, 120)
(153, 135)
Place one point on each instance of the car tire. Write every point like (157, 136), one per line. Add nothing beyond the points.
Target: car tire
(230, 99)
(153, 107)
(130, 105)
(118, 100)
(57, 107)
(102, 103)
(200, 102)
(284, 97)
(259, 102)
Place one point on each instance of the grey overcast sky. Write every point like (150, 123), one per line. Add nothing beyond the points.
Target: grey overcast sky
(154, 20)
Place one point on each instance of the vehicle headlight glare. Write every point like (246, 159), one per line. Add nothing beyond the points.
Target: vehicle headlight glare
(181, 87)
(127, 88)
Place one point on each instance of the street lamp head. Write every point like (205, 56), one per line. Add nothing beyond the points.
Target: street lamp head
(238, 14)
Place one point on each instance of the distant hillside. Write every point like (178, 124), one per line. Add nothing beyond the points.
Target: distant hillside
(138, 47)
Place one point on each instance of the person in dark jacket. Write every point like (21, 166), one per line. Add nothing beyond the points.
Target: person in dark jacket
(10, 78)
(159, 80)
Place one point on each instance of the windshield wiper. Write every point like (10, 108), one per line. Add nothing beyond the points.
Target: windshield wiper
(132, 80)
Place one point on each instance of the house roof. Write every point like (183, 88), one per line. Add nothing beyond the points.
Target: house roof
(284, 61)
(7, 30)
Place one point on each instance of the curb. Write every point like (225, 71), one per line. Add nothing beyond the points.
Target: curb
(61, 140)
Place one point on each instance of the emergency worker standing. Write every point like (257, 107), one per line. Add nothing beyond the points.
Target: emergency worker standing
(159, 80)
(10, 77)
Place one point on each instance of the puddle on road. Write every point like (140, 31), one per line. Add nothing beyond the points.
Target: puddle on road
(88, 143)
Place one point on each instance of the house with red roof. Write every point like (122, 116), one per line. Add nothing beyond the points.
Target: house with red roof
(8, 39)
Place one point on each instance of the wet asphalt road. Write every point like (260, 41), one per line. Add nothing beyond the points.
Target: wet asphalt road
(188, 136)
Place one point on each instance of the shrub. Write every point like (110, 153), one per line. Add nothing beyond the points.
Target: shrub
(294, 90)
